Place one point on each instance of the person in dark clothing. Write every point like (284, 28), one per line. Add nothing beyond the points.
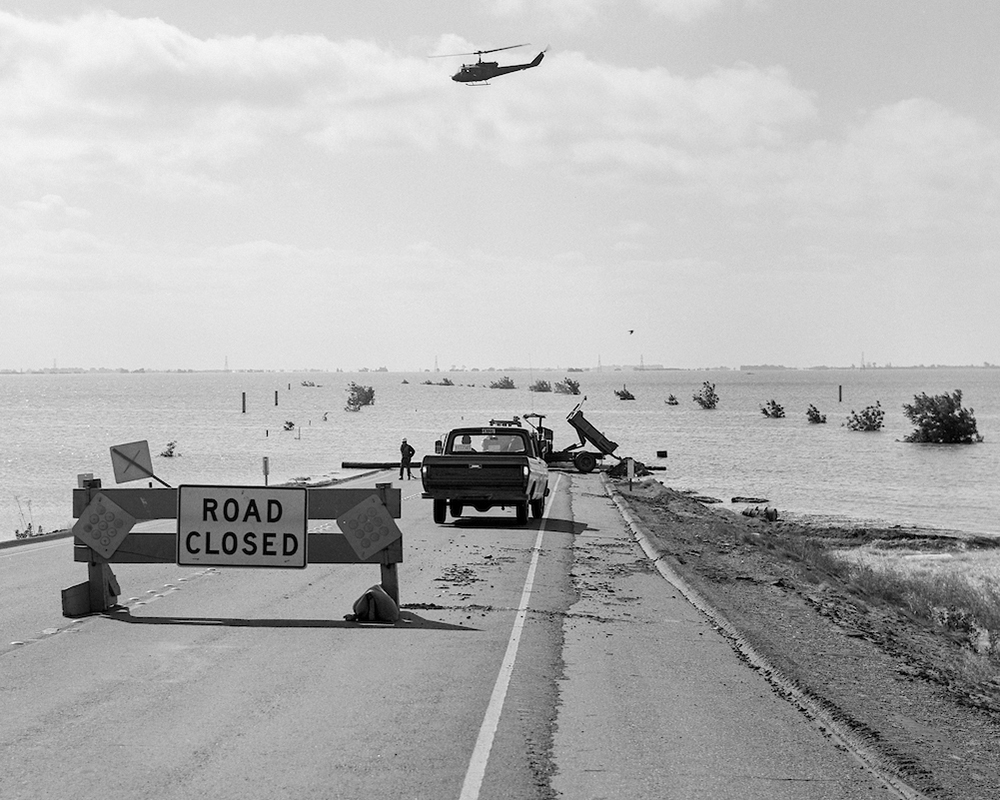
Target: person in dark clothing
(406, 453)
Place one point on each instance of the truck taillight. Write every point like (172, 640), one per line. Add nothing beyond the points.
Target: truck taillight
(525, 471)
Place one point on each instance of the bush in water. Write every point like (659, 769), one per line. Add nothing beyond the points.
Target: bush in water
(941, 419)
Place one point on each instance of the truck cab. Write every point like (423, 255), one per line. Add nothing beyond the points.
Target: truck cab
(497, 465)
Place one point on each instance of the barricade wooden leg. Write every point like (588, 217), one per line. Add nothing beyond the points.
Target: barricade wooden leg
(390, 577)
(104, 589)
(390, 581)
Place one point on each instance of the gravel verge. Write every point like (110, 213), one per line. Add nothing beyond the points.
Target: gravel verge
(919, 698)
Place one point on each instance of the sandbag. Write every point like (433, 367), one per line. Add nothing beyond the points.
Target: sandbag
(375, 605)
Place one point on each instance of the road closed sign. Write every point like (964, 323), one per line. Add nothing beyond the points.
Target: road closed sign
(241, 526)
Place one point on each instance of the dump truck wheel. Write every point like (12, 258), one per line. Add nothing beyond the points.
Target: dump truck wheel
(538, 508)
(585, 462)
(456, 508)
(522, 512)
(440, 510)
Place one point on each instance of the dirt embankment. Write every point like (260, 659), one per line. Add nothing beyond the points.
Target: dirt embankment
(919, 696)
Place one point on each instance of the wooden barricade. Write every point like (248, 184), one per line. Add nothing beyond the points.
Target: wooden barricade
(101, 590)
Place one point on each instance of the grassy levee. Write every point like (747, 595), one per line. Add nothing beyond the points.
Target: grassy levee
(965, 606)
(963, 603)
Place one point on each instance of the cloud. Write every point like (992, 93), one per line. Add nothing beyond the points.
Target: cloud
(138, 101)
(563, 13)
(49, 211)
(575, 13)
(647, 124)
(682, 10)
(142, 109)
(913, 165)
(103, 95)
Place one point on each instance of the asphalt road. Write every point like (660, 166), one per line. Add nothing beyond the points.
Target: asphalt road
(533, 662)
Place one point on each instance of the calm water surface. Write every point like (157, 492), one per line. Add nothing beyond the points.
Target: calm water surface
(56, 426)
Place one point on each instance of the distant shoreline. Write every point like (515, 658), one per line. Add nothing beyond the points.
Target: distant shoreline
(382, 370)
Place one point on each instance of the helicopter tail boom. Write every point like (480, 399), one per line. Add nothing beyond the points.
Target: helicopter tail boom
(517, 67)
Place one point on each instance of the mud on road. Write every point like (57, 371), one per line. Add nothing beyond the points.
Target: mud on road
(922, 700)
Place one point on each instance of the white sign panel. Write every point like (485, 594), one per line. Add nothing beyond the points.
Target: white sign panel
(241, 526)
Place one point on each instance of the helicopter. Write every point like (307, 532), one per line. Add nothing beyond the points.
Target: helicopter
(479, 74)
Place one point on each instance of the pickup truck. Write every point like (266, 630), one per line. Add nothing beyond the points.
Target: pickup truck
(487, 467)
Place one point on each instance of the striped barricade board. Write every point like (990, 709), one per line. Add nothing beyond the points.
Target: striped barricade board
(239, 526)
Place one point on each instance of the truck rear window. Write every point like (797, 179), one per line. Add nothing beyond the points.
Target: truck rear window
(498, 442)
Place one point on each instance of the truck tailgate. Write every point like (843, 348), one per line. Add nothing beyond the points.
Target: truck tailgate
(489, 474)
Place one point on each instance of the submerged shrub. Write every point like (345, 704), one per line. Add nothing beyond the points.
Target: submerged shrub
(941, 419)
(813, 415)
(773, 410)
(868, 420)
(358, 396)
(707, 398)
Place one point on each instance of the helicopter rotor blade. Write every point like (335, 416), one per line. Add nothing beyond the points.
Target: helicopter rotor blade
(481, 52)
(498, 49)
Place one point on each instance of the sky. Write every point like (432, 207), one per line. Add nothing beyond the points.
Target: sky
(691, 183)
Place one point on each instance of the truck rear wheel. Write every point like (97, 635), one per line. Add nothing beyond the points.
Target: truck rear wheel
(456, 508)
(538, 508)
(585, 462)
(440, 510)
(522, 512)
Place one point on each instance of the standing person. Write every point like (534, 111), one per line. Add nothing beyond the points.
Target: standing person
(406, 453)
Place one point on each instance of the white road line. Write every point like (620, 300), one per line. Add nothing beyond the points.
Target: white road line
(487, 731)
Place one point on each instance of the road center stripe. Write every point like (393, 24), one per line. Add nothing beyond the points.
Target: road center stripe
(487, 731)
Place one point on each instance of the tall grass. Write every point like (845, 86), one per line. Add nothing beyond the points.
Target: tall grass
(946, 599)
(959, 602)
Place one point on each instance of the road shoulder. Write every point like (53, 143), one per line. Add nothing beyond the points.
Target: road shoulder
(882, 676)
(654, 701)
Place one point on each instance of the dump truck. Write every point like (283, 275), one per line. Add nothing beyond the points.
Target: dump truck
(584, 460)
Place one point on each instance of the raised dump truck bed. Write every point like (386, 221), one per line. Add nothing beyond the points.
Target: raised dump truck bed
(584, 460)
(588, 433)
